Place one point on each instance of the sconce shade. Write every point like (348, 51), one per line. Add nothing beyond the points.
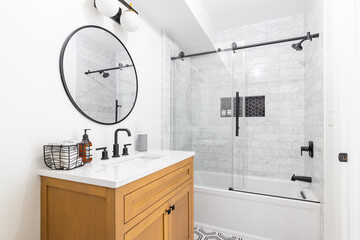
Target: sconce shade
(107, 8)
(129, 21)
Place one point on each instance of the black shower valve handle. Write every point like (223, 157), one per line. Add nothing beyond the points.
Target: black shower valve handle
(304, 149)
(309, 148)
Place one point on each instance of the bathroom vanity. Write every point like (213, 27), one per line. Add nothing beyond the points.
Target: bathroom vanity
(141, 197)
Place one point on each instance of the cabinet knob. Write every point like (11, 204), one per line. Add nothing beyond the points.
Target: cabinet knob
(168, 211)
(172, 207)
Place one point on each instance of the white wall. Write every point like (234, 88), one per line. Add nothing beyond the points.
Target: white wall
(35, 109)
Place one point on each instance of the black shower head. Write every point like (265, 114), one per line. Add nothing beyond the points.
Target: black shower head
(106, 75)
(297, 46)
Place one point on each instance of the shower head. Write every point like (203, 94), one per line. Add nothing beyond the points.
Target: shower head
(297, 46)
(105, 74)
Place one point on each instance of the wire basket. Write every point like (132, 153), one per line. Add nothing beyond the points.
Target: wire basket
(62, 157)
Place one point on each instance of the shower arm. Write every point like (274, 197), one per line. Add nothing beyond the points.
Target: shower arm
(308, 36)
(108, 69)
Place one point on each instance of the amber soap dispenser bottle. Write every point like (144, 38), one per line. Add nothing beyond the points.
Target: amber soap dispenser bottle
(85, 148)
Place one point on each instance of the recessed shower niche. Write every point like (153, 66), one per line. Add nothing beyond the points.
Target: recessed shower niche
(254, 106)
(98, 75)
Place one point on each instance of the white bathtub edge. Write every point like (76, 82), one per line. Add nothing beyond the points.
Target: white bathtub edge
(256, 197)
(232, 232)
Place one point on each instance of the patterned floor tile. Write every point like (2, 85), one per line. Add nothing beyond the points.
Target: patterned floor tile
(201, 233)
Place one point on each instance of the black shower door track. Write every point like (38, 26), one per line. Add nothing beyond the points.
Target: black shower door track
(235, 47)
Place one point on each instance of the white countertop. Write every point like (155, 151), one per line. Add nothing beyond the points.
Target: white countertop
(116, 172)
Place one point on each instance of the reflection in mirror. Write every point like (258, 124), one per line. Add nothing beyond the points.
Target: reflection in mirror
(99, 75)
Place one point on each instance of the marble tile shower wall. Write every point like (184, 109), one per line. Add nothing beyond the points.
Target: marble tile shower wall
(314, 100)
(314, 97)
(181, 137)
(125, 87)
(270, 145)
(211, 134)
(168, 46)
(102, 107)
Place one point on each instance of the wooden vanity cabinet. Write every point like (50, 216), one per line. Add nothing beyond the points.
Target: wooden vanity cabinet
(173, 220)
(156, 207)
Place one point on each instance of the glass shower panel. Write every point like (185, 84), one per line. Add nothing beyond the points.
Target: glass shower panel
(202, 115)
(239, 147)
(270, 81)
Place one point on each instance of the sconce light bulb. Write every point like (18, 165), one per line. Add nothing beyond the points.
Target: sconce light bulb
(108, 8)
(130, 21)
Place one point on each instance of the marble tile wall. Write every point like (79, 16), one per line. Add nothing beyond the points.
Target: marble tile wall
(267, 146)
(92, 56)
(314, 96)
(168, 46)
(314, 100)
(125, 84)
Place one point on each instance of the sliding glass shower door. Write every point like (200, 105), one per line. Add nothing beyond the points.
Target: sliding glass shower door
(243, 113)
(270, 82)
(202, 115)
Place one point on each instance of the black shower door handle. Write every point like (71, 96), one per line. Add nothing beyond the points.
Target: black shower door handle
(237, 114)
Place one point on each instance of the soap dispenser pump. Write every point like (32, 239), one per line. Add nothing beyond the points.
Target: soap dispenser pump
(85, 148)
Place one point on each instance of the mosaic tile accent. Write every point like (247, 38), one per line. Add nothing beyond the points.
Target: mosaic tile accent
(255, 106)
(201, 233)
(225, 105)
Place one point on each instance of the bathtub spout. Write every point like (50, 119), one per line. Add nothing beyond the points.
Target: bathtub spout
(301, 178)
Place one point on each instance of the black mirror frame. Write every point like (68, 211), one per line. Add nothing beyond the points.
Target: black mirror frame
(62, 75)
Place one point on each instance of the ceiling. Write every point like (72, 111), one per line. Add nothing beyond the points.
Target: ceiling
(179, 20)
(235, 13)
(176, 18)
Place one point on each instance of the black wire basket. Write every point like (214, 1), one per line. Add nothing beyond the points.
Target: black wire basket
(62, 157)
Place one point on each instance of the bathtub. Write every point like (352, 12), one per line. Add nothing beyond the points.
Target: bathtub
(261, 215)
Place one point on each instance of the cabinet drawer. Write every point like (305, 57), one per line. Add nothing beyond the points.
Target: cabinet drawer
(142, 198)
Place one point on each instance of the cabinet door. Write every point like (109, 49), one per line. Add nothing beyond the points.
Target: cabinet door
(153, 227)
(181, 218)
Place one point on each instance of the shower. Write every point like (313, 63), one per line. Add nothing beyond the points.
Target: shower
(298, 47)
(244, 119)
(247, 107)
(105, 74)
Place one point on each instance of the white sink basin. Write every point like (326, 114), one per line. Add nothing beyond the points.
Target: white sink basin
(136, 159)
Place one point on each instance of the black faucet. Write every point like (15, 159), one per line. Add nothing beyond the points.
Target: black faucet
(301, 178)
(309, 149)
(116, 144)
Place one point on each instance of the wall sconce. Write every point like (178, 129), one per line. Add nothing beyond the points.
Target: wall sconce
(128, 19)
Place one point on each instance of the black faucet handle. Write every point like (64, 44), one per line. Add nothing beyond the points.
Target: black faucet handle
(104, 154)
(125, 149)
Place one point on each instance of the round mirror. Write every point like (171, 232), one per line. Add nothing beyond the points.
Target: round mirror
(98, 75)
